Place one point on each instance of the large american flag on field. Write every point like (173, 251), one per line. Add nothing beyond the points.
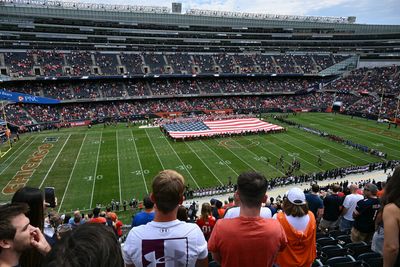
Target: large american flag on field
(210, 128)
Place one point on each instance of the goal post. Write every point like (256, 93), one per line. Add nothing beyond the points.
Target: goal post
(5, 132)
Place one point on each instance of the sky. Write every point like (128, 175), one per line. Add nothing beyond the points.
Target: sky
(366, 11)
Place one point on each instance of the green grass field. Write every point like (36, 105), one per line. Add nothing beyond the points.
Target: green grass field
(90, 166)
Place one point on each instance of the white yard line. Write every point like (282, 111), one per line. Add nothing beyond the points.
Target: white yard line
(119, 169)
(51, 167)
(16, 150)
(288, 162)
(340, 150)
(95, 171)
(183, 164)
(19, 154)
(251, 167)
(70, 176)
(140, 163)
(259, 156)
(352, 163)
(219, 157)
(151, 142)
(204, 163)
(380, 136)
(306, 153)
(302, 159)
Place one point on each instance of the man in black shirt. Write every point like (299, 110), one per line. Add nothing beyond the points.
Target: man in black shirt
(364, 215)
(332, 209)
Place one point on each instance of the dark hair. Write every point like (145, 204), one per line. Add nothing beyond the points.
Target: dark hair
(168, 187)
(392, 192)
(147, 203)
(34, 197)
(8, 212)
(251, 187)
(90, 245)
(182, 214)
(336, 188)
(96, 212)
(315, 188)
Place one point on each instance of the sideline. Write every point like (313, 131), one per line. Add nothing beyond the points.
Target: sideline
(352, 178)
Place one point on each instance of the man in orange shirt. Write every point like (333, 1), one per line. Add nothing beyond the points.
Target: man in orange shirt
(247, 240)
(97, 218)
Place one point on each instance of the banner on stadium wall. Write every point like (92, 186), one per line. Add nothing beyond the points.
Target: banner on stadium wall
(80, 123)
(301, 110)
(169, 114)
(25, 98)
(219, 111)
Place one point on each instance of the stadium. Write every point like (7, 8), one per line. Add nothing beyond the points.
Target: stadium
(96, 99)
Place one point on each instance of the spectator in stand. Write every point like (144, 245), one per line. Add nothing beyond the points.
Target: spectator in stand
(233, 212)
(34, 197)
(17, 235)
(166, 239)
(116, 224)
(332, 210)
(220, 210)
(349, 204)
(391, 220)
(263, 238)
(89, 245)
(145, 216)
(364, 215)
(182, 214)
(214, 209)
(206, 221)
(97, 218)
(315, 203)
(300, 229)
(76, 219)
(230, 203)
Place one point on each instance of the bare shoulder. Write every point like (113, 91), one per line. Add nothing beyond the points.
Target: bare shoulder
(391, 207)
(391, 210)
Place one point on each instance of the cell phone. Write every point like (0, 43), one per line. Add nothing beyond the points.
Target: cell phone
(50, 196)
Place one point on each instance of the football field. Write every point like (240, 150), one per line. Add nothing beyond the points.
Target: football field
(94, 166)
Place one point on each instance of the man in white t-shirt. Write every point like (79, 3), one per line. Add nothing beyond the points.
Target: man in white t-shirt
(234, 212)
(166, 240)
(349, 204)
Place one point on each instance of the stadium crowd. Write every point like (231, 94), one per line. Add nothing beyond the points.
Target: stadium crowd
(82, 63)
(101, 90)
(379, 80)
(27, 114)
(339, 223)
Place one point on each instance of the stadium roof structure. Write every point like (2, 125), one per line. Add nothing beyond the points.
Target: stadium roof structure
(164, 10)
(41, 24)
(229, 14)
